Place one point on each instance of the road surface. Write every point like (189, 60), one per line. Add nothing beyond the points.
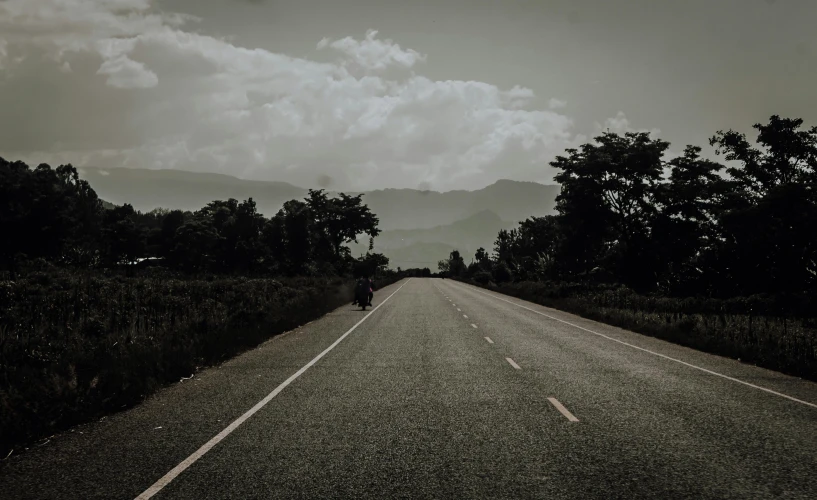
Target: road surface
(445, 390)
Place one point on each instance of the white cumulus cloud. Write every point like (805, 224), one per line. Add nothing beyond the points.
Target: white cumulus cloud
(555, 103)
(176, 98)
(371, 53)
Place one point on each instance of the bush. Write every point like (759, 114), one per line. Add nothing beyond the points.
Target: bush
(75, 347)
(502, 273)
(482, 277)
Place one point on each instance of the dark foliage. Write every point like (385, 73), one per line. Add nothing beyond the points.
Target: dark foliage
(721, 259)
(687, 227)
(102, 304)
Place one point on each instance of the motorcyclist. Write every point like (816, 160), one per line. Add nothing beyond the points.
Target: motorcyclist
(371, 291)
(363, 285)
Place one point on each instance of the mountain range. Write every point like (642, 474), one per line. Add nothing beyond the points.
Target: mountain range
(418, 227)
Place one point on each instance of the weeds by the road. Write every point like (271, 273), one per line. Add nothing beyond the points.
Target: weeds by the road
(75, 347)
(758, 330)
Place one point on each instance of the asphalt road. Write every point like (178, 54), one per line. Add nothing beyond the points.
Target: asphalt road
(447, 391)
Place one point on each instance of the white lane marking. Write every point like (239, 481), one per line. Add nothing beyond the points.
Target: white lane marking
(170, 476)
(563, 410)
(489, 340)
(473, 325)
(727, 377)
(513, 363)
(453, 304)
(464, 316)
(459, 310)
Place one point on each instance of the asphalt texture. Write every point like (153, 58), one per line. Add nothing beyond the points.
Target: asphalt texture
(415, 402)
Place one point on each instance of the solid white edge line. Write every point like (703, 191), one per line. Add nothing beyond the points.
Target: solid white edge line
(727, 377)
(489, 340)
(559, 406)
(170, 476)
(513, 363)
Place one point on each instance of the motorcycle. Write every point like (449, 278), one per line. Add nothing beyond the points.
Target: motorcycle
(361, 298)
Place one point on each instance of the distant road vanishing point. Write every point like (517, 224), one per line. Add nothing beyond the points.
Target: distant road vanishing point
(445, 390)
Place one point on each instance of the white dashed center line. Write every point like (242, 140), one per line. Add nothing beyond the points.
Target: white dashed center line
(473, 325)
(489, 340)
(513, 363)
(464, 316)
(563, 410)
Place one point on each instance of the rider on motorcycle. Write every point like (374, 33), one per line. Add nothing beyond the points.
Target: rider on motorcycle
(364, 285)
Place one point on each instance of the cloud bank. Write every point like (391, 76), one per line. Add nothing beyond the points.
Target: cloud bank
(132, 86)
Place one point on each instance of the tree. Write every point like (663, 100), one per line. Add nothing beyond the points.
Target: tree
(372, 264)
(786, 155)
(443, 267)
(456, 264)
(85, 214)
(686, 231)
(538, 243)
(482, 256)
(767, 216)
(505, 244)
(123, 239)
(195, 245)
(171, 222)
(608, 194)
(340, 220)
(290, 235)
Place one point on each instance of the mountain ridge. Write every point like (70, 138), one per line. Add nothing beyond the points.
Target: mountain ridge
(397, 208)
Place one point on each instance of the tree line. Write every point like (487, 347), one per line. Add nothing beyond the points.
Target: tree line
(50, 214)
(682, 227)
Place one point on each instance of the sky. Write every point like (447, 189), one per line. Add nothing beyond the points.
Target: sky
(365, 94)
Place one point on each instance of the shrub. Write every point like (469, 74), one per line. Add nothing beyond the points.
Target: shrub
(74, 347)
(482, 277)
(502, 273)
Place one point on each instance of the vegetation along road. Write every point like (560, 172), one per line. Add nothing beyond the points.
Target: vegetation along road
(447, 390)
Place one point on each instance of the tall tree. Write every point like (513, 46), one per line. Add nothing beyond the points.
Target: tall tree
(768, 220)
(612, 184)
(123, 239)
(685, 233)
(341, 220)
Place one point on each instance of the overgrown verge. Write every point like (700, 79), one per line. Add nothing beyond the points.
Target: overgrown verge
(759, 330)
(73, 348)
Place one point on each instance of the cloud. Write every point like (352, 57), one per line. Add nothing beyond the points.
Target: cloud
(138, 87)
(125, 73)
(620, 124)
(554, 103)
(372, 54)
(3, 53)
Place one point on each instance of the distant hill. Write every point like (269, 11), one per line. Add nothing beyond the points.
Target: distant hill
(397, 208)
(176, 189)
(408, 248)
(413, 209)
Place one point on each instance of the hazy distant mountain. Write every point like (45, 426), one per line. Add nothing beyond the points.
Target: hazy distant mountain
(425, 247)
(413, 209)
(397, 208)
(176, 189)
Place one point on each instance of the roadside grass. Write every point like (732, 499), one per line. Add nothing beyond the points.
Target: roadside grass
(754, 330)
(75, 347)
